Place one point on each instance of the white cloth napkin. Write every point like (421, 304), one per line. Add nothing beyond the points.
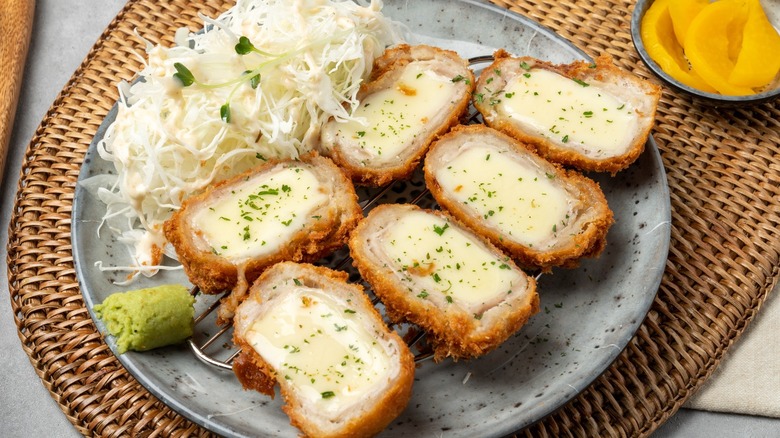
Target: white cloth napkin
(747, 381)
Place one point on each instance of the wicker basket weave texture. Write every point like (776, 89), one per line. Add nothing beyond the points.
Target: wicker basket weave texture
(723, 170)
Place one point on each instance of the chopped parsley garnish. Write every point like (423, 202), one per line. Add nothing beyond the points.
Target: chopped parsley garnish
(268, 192)
(440, 230)
(460, 78)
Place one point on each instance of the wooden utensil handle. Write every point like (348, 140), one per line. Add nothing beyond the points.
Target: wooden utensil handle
(16, 18)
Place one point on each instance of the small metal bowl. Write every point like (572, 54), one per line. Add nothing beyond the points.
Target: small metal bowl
(713, 99)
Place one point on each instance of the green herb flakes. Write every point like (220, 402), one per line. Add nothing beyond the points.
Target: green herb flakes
(440, 230)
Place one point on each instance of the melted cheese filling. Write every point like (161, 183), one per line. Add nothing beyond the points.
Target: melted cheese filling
(321, 347)
(581, 117)
(396, 116)
(259, 216)
(521, 201)
(448, 265)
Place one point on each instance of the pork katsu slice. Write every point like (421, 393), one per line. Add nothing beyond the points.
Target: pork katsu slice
(431, 271)
(416, 93)
(537, 212)
(286, 210)
(590, 116)
(340, 370)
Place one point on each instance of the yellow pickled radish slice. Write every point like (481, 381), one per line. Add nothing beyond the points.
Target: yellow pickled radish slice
(758, 62)
(657, 35)
(683, 12)
(735, 30)
(707, 44)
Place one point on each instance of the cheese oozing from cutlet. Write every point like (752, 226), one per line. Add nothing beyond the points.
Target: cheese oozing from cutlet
(395, 116)
(580, 116)
(517, 198)
(254, 218)
(320, 346)
(446, 264)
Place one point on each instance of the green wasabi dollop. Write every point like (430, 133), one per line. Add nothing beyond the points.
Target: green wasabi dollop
(149, 318)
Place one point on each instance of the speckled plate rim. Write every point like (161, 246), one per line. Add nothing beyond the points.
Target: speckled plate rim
(539, 412)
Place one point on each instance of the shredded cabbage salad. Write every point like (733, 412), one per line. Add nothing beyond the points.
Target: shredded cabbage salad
(257, 82)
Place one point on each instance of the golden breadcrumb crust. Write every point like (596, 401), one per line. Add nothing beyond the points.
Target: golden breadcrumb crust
(603, 70)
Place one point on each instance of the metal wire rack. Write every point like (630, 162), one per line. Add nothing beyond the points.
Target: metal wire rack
(217, 349)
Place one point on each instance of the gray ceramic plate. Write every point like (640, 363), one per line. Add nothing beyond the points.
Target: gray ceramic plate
(588, 314)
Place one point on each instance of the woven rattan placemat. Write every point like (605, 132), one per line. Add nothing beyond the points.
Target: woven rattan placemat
(723, 169)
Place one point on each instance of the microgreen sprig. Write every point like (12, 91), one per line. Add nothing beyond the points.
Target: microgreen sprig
(183, 74)
(243, 47)
(224, 112)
